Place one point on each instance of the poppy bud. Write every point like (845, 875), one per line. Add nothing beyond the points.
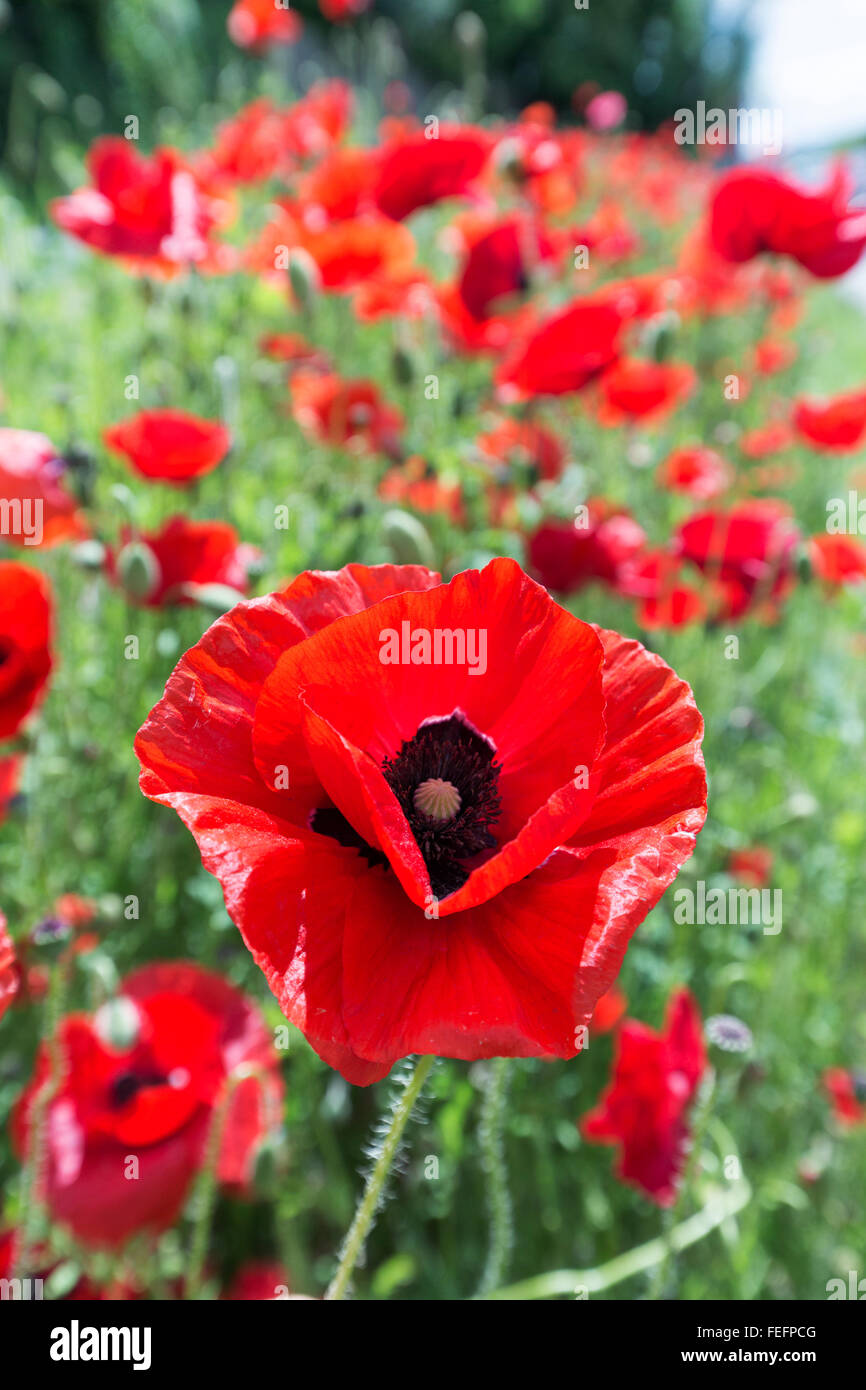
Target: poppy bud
(402, 366)
(138, 570)
(118, 1023)
(407, 540)
(304, 278)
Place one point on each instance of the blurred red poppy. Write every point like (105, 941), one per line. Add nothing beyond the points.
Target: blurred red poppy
(609, 1010)
(837, 425)
(423, 168)
(460, 851)
(169, 445)
(25, 643)
(350, 414)
(838, 559)
(847, 1092)
(752, 866)
(696, 472)
(566, 555)
(260, 1280)
(165, 567)
(32, 477)
(259, 24)
(645, 1108)
(748, 551)
(634, 389)
(10, 773)
(341, 10)
(150, 211)
(140, 1087)
(9, 973)
(753, 210)
(566, 351)
(523, 443)
(500, 263)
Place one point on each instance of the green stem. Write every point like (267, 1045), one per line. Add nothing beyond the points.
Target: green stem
(703, 1111)
(37, 1156)
(353, 1245)
(206, 1195)
(636, 1261)
(496, 1171)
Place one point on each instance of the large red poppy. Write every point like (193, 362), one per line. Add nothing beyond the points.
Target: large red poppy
(32, 474)
(644, 1110)
(838, 559)
(754, 210)
(150, 211)
(429, 858)
(170, 445)
(635, 389)
(145, 1078)
(169, 566)
(421, 169)
(25, 643)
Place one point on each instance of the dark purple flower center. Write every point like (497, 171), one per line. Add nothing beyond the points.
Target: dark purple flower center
(446, 780)
(126, 1086)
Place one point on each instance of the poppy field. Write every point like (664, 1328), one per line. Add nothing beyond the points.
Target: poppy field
(432, 577)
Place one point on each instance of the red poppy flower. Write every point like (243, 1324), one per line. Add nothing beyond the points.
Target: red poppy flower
(9, 973)
(165, 567)
(407, 294)
(341, 184)
(169, 445)
(292, 347)
(747, 550)
(752, 866)
(43, 1266)
(32, 475)
(314, 124)
(350, 414)
(10, 773)
(565, 555)
(500, 263)
(348, 253)
(445, 857)
(25, 643)
(566, 352)
(753, 211)
(338, 11)
(467, 334)
(766, 439)
(145, 1078)
(419, 170)
(846, 1091)
(152, 212)
(772, 356)
(417, 484)
(524, 443)
(644, 1110)
(697, 472)
(634, 389)
(260, 24)
(838, 559)
(260, 1281)
(609, 1010)
(250, 147)
(837, 425)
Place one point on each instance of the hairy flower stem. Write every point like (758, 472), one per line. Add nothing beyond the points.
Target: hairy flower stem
(37, 1155)
(353, 1245)
(205, 1199)
(581, 1283)
(496, 1173)
(702, 1113)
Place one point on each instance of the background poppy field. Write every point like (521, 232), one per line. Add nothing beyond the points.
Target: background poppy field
(499, 1175)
